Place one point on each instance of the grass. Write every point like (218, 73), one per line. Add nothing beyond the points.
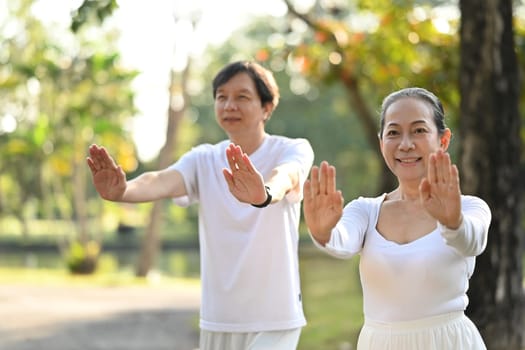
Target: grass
(62, 277)
(332, 301)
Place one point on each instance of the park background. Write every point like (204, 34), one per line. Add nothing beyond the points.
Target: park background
(136, 77)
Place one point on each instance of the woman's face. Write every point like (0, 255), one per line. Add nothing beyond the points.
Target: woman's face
(410, 135)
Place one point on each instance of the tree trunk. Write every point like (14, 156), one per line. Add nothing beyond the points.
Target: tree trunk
(490, 165)
(79, 201)
(151, 243)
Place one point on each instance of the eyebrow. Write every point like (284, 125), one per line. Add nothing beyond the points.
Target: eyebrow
(241, 91)
(420, 121)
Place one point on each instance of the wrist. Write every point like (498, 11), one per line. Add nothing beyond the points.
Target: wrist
(455, 225)
(267, 201)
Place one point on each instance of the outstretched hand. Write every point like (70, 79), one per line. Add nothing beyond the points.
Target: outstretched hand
(440, 191)
(108, 178)
(322, 204)
(244, 181)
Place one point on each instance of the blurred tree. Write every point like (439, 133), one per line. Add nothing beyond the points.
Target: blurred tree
(92, 12)
(100, 105)
(372, 48)
(22, 153)
(180, 100)
(491, 150)
(62, 92)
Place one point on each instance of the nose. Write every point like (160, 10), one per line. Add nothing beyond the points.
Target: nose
(406, 143)
(229, 104)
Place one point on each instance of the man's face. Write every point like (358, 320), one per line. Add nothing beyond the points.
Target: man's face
(238, 106)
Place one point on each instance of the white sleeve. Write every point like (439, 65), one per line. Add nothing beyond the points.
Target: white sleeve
(470, 238)
(187, 166)
(301, 154)
(348, 235)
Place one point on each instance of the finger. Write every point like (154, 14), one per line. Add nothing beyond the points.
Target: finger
(228, 177)
(441, 168)
(308, 200)
(230, 157)
(432, 175)
(93, 149)
(323, 178)
(307, 190)
(446, 168)
(237, 157)
(314, 180)
(330, 183)
(341, 199)
(424, 189)
(91, 165)
(98, 160)
(94, 156)
(106, 161)
(121, 175)
(247, 164)
(454, 177)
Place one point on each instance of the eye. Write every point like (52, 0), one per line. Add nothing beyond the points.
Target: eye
(420, 131)
(391, 133)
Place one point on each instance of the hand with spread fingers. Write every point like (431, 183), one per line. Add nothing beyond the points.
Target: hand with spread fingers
(244, 181)
(440, 191)
(322, 203)
(108, 178)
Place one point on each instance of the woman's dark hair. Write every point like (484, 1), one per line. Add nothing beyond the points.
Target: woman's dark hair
(264, 81)
(419, 93)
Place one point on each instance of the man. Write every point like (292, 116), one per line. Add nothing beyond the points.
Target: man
(249, 190)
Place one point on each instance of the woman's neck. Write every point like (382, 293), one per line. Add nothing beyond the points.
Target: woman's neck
(405, 193)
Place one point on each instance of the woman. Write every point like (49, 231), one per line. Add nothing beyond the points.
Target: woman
(418, 243)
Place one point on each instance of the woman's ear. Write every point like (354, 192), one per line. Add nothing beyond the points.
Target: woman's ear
(445, 139)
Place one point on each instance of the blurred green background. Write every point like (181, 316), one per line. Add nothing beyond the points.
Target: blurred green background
(89, 73)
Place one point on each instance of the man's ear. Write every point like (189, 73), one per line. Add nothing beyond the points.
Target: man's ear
(268, 108)
(445, 139)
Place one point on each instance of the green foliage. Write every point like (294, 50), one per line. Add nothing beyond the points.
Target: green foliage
(381, 47)
(65, 94)
(332, 300)
(59, 96)
(368, 48)
(82, 257)
(92, 11)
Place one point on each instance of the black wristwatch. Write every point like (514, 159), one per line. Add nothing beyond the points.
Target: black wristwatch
(267, 201)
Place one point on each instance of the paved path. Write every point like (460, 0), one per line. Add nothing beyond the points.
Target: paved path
(96, 318)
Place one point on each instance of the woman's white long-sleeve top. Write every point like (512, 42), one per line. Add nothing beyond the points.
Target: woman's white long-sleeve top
(426, 277)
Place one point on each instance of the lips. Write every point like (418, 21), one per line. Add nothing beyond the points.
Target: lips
(411, 160)
(229, 119)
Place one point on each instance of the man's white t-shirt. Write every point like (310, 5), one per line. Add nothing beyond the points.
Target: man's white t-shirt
(423, 278)
(249, 255)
